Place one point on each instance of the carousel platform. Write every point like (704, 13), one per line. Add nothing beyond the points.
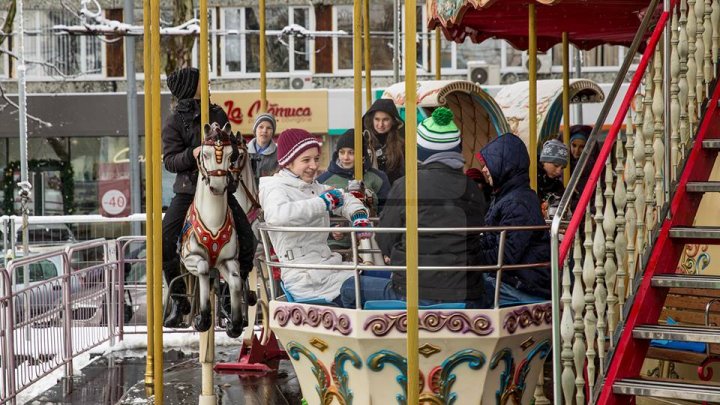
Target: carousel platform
(118, 379)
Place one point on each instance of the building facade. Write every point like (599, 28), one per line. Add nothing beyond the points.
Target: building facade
(77, 84)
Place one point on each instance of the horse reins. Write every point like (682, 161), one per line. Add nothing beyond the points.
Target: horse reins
(218, 145)
(253, 201)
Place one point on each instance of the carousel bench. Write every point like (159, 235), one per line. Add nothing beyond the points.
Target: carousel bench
(310, 301)
(402, 305)
(688, 306)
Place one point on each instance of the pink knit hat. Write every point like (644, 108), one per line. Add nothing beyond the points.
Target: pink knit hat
(292, 142)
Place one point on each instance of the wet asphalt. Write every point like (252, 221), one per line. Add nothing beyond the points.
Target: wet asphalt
(118, 378)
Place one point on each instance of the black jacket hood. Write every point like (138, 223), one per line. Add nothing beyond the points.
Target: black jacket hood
(508, 161)
(385, 105)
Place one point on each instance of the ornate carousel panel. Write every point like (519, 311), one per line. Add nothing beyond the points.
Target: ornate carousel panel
(343, 356)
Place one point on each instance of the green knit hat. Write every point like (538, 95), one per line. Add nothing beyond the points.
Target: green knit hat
(438, 133)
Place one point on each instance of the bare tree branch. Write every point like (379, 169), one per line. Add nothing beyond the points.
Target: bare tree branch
(17, 107)
(37, 62)
(7, 27)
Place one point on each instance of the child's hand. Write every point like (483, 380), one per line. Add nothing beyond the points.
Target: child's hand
(332, 199)
(360, 220)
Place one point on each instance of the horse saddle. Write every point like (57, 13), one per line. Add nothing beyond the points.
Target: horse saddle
(213, 243)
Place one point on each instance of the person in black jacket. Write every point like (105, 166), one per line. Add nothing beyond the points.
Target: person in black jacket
(446, 199)
(506, 168)
(181, 146)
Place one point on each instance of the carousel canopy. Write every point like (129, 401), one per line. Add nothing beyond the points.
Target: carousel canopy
(588, 23)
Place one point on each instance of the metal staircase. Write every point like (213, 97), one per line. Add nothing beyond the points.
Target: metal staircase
(622, 381)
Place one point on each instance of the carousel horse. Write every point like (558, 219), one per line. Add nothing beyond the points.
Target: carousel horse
(209, 240)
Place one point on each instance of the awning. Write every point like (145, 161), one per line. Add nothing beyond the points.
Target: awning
(588, 23)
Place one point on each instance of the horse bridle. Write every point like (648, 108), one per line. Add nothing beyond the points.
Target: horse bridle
(218, 145)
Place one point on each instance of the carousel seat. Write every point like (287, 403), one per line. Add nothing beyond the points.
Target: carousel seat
(312, 301)
(402, 305)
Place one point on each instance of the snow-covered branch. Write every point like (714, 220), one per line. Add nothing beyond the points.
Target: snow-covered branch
(17, 107)
(37, 62)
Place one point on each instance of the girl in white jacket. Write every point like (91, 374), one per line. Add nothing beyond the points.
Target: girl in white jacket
(292, 197)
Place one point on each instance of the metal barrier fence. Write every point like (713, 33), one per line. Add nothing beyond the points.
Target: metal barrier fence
(67, 229)
(54, 306)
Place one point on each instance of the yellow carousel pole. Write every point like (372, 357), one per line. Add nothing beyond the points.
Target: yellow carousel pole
(263, 57)
(438, 54)
(566, 100)
(411, 201)
(147, 62)
(532, 102)
(207, 339)
(157, 202)
(357, 83)
(368, 64)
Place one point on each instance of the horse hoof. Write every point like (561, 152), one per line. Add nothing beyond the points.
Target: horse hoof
(202, 322)
(252, 298)
(232, 330)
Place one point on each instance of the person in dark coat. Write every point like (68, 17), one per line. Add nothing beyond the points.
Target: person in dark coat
(181, 146)
(446, 198)
(342, 169)
(579, 135)
(506, 169)
(385, 131)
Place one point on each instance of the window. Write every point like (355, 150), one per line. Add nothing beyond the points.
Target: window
(455, 57)
(381, 36)
(212, 42)
(71, 55)
(39, 271)
(241, 49)
(4, 59)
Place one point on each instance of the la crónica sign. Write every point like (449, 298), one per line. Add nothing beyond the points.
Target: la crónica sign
(307, 109)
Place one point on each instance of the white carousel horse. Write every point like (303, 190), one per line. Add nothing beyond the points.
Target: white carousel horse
(209, 240)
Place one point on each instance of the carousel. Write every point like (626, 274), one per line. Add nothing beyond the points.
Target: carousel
(388, 352)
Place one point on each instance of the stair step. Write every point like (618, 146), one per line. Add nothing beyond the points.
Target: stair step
(646, 387)
(703, 186)
(696, 232)
(711, 144)
(702, 334)
(686, 281)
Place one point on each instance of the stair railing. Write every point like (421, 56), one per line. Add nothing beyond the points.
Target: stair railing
(620, 224)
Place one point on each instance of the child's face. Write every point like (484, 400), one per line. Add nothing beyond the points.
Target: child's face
(264, 133)
(552, 170)
(346, 156)
(306, 165)
(576, 147)
(486, 173)
(382, 122)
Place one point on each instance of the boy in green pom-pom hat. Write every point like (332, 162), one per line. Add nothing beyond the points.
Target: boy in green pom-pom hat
(438, 133)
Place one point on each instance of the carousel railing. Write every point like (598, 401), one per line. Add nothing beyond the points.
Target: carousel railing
(356, 266)
(637, 171)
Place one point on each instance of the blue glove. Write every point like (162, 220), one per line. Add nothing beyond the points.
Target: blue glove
(360, 220)
(332, 199)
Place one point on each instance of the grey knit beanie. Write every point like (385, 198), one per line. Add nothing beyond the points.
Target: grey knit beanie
(554, 151)
(267, 118)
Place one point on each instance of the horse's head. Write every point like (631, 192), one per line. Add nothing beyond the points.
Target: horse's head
(216, 156)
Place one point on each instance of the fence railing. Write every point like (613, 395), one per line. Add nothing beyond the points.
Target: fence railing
(52, 311)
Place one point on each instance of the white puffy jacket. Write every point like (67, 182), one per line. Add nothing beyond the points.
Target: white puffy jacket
(289, 201)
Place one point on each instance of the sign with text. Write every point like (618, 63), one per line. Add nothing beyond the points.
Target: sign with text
(114, 189)
(306, 109)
